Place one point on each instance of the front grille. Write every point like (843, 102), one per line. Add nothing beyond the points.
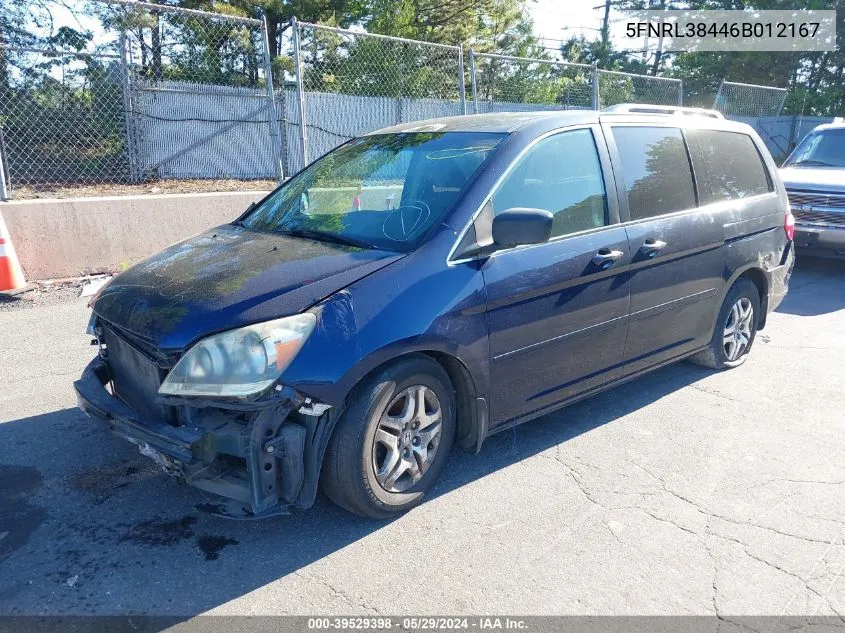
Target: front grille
(815, 199)
(826, 218)
(135, 377)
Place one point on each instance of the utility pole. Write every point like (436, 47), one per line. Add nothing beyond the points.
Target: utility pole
(605, 24)
(658, 54)
(605, 29)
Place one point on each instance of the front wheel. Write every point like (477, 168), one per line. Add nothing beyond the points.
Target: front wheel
(735, 330)
(390, 446)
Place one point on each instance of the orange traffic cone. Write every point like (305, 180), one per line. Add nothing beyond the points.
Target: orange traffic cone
(12, 281)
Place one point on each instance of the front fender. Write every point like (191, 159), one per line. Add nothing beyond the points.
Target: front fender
(408, 307)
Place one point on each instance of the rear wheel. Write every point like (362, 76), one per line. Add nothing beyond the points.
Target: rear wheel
(735, 330)
(392, 443)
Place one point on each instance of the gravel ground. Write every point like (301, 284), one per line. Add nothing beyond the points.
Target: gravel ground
(48, 293)
(41, 297)
(684, 492)
(26, 192)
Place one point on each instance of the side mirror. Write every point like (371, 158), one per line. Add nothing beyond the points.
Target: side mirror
(522, 225)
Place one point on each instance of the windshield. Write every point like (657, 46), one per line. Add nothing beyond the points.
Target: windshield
(821, 149)
(383, 191)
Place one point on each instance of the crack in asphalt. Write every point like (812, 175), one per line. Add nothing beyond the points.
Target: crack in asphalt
(717, 394)
(350, 600)
(707, 512)
(804, 581)
(577, 477)
(798, 481)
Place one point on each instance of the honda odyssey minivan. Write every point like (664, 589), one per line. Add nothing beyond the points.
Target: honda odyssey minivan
(430, 284)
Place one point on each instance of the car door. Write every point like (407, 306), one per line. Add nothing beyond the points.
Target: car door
(557, 312)
(677, 258)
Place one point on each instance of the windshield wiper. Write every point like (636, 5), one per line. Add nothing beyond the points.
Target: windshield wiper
(812, 161)
(242, 217)
(327, 237)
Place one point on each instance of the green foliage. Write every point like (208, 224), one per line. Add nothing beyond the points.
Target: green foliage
(375, 67)
(578, 49)
(814, 79)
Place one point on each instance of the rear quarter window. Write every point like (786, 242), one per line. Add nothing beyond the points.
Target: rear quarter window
(656, 170)
(727, 165)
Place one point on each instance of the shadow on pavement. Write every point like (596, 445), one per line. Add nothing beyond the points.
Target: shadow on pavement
(88, 526)
(93, 528)
(805, 297)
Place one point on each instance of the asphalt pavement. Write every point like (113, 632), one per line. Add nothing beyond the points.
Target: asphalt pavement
(685, 492)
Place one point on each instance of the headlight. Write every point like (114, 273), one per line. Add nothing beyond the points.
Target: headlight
(240, 362)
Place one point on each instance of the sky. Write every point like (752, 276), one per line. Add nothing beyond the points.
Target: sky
(561, 19)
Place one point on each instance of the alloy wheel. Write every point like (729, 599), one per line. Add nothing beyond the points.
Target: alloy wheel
(407, 438)
(737, 333)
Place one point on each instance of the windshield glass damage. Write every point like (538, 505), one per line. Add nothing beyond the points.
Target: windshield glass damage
(383, 191)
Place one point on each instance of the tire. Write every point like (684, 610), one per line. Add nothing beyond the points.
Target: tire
(720, 354)
(359, 471)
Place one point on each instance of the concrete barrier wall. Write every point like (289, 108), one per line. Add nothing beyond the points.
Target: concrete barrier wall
(66, 238)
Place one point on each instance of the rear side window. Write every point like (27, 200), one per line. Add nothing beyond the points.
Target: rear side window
(727, 165)
(655, 170)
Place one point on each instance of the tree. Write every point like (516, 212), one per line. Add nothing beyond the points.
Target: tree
(440, 21)
(28, 23)
(370, 66)
(493, 26)
(279, 13)
(814, 79)
(579, 50)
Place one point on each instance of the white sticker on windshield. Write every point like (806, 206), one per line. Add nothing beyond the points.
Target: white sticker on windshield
(429, 127)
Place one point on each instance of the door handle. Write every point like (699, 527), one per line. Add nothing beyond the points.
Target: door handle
(652, 245)
(605, 258)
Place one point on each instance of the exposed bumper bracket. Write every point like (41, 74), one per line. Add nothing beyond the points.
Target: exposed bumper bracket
(272, 447)
(93, 399)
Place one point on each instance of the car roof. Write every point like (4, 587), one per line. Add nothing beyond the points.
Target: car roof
(503, 122)
(539, 121)
(837, 124)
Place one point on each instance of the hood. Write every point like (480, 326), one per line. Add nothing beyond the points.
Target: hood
(827, 179)
(226, 278)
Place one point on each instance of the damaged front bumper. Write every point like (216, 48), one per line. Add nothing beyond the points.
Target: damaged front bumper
(265, 455)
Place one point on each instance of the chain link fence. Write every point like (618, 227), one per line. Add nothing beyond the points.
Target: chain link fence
(166, 95)
(618, 87)
(198, 103)
(748, 100)
(62, 119)
(165, 98)
(351, 82)
(504, 83)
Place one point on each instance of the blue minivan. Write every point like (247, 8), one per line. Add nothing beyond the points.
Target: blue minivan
(429, 284)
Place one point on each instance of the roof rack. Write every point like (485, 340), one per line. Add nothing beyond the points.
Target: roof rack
(646, 108)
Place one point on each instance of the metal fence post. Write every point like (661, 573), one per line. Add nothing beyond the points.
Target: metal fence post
(462, 89)
(718, 94)
(129, 122)
(275, 135)
(401, 90)
(473, 81)
(783, 101)
(596, 96)
(4, 186)
(300, 92)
